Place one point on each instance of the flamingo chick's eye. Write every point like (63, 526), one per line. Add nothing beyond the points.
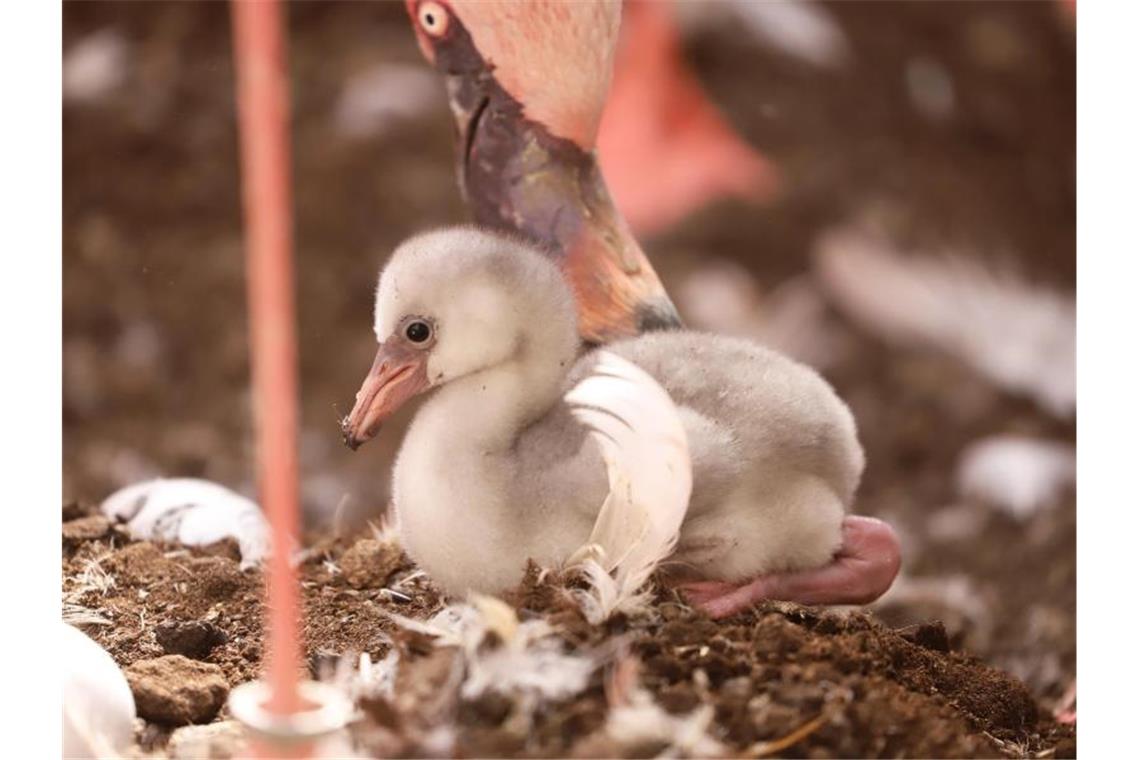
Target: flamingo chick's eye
(417, 332)
(433, 18)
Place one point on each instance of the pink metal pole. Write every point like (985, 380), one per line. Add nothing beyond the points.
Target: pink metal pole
(264, 120)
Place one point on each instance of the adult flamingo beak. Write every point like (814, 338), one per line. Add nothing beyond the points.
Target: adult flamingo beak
(516, 176)
(398, 372)
(522, 174)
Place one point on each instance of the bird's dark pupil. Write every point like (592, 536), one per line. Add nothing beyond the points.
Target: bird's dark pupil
(417, 332)
(429, 19)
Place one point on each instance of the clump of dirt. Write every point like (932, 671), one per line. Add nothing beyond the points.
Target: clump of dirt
(175, 690)
(825, 683)
(370, 562)
(193, 639)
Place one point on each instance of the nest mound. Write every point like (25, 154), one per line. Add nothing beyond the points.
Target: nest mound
(530, 676)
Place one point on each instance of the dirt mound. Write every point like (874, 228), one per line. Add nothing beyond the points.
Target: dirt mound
(780, 678)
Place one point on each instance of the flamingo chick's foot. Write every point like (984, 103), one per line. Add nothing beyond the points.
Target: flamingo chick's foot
(863, 569)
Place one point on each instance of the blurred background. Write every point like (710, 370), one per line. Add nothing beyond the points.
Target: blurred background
(904, 219)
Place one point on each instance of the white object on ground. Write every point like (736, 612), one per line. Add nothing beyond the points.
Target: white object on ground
(642, 721)
(1020, 336)
(94, 67)
(1017, 474)
(798, 28)
(379, 98)
(530, 663)
(723, 297)
(192, 512)
(98, 707)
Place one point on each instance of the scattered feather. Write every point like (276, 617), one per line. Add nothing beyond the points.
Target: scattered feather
(643, 722)
(78, 615)
(191, 512)
(1018, 474)
(94, 67)
(607, 594)
(523, 659)
(1020, 336)
(798, 28)
(366, 679)
(723, 297)
(380, 98)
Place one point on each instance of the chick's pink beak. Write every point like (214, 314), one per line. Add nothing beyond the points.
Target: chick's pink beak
(398, 373)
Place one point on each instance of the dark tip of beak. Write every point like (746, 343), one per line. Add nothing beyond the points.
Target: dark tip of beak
(657, 313)
(350, 440)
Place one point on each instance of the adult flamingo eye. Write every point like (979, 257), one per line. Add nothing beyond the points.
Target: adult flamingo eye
(433, 18)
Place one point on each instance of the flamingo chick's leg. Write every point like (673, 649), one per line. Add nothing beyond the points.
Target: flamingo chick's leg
(863, 569)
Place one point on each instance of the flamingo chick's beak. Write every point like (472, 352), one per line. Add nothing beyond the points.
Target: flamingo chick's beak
(398, 373)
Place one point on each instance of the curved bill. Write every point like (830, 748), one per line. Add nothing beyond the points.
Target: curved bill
(398, 373)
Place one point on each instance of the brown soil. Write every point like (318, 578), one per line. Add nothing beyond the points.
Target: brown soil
(156, 374)
(861, 688)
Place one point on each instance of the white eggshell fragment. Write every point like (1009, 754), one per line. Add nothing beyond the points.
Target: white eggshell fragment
(191, 512)
(98, 708)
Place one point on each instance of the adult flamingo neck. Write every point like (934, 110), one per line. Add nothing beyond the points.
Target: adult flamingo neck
(518, 177)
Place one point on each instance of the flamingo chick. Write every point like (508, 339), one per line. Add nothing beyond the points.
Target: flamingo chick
(498, 467)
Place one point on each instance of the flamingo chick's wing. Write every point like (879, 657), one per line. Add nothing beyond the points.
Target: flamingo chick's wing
(647, 462)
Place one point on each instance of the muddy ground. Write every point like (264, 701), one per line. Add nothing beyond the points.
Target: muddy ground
(156, 373)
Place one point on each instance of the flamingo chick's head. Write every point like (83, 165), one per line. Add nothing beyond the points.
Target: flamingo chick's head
(453, 302)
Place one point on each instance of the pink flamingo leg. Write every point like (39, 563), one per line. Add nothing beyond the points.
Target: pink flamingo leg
(863, 569)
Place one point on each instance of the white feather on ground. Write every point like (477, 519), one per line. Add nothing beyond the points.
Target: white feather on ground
(98, 707)
(722, 296)
(377, 99)
(94, 67)
(1017, 474)
(798, 28)
(646, 452)
(191, 512)
(1020, 336)
(529, 662)
(642, 722)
